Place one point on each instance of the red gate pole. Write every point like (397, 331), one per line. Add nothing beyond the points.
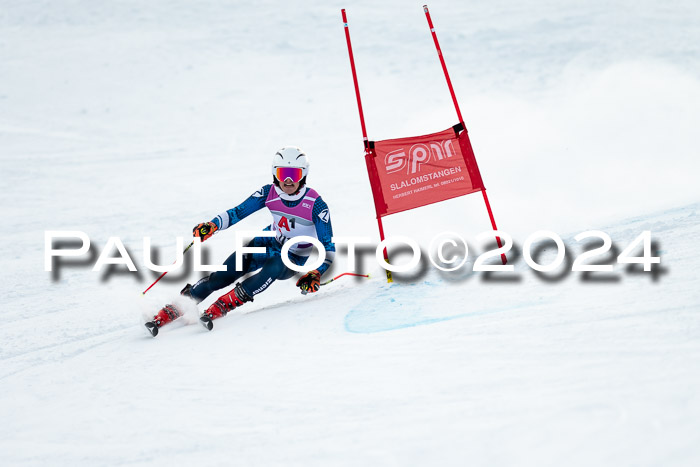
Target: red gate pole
(365, 140)
(493, 224)
(354, 78)
(459, 115)
(442, 62)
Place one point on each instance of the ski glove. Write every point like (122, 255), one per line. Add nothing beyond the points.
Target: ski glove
(204, 230)
(310, 282)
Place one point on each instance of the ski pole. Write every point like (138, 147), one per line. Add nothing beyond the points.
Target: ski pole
(162, 275)
(304, 292)
(203, 231)
(345, 274)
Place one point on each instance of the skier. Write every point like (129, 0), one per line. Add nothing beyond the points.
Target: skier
(296, 210)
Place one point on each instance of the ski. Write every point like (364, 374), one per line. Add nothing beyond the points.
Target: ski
(207, 322)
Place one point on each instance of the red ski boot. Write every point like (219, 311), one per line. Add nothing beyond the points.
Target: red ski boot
(166, 315)
(223, 305)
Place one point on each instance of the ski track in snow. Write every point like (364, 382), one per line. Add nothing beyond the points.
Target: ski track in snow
(131, 119)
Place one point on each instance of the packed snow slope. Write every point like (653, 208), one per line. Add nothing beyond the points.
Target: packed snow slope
(436, 370)
(130, 119)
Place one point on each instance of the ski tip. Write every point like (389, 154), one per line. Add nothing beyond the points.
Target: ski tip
(152, 328)
(206, 322)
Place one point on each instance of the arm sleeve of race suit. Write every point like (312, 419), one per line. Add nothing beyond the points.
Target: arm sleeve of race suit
(324, 231)
(253, 203)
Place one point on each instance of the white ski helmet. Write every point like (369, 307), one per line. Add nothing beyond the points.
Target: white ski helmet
(290, 157)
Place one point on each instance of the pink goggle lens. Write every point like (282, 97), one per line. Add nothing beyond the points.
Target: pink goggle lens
(293, 173)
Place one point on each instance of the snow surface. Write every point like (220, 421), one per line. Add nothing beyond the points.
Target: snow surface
(135, 119)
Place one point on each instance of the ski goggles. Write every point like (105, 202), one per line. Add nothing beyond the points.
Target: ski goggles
(293, 173)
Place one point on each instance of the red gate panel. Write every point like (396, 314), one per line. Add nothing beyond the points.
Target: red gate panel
(407, 173)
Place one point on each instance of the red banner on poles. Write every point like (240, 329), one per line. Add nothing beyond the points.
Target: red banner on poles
(407, 173)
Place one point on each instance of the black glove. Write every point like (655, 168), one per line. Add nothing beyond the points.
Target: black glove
(310, 282)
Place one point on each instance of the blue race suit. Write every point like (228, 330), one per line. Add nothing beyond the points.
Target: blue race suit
(269, 263)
